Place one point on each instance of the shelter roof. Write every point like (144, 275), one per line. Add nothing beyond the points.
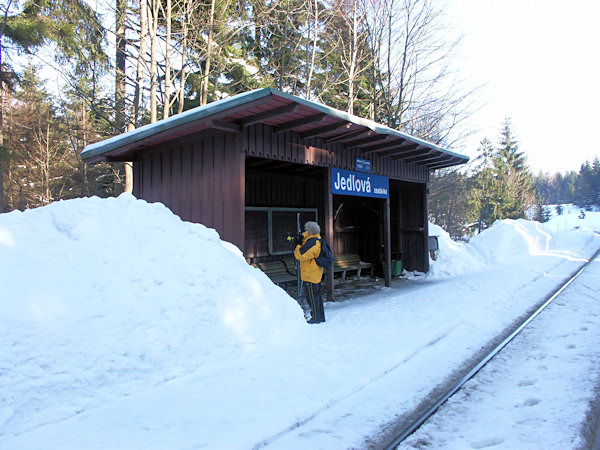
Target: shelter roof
(283, 112)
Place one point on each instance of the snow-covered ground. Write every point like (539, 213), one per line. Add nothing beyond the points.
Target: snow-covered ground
(123, 327)
(536, 392)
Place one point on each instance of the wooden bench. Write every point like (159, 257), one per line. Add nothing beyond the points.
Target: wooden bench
(277, 271)
(290, 264)
(284, 270)
(349, 262)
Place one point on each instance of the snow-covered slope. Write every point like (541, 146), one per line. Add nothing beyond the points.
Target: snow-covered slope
(104, 298)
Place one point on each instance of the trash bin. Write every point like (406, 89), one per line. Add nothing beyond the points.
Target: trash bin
(396, 267)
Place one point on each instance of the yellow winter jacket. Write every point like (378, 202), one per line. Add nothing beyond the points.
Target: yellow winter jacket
(306, 254)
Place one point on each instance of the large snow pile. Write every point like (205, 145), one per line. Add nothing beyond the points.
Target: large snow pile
(502, 243)
(507, 241)
(168, 295)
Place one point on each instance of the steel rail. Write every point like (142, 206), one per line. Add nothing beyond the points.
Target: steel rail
(432, 410)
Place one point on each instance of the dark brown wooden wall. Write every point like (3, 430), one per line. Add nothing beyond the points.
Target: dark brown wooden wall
(284, 190)
(258, 140)
(410, 224)
(201, 179)
(204, 179)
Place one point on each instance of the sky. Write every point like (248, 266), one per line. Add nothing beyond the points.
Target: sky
(537, 62)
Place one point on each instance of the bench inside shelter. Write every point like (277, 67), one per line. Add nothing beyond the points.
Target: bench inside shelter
(283, 271)
(278, 271)
(350, 263)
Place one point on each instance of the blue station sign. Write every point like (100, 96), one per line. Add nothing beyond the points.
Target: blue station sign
(347, 182)
(363, 165)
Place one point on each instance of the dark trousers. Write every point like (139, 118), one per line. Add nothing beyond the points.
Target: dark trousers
(312, 294)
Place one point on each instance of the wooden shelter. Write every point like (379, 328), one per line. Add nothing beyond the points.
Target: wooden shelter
(246, 165)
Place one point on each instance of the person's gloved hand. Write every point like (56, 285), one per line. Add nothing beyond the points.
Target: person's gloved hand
(294, 240)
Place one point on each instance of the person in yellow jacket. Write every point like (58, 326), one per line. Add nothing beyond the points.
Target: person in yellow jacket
(311, 273)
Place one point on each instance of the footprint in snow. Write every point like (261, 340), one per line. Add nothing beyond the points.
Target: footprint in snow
(531, 402)
(491, 442)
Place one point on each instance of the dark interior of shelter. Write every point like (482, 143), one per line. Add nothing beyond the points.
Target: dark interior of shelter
(277, 191)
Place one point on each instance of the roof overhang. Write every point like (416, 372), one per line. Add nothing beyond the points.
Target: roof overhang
(283, 112)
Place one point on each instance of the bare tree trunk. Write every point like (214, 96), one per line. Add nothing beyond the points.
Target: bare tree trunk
(153, 8)
(128, 166)
(85, 189)
(139, 88)
(314, 48)
(389, 62)
(184, 44)
(167, 99)
(120, 49)
(46, 167)
(209, 45)
(139, 79)
(353, 56)
(258, 6)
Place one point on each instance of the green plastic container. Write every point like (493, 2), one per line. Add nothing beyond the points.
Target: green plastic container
(396, 268)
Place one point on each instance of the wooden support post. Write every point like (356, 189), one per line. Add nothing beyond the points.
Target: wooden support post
(388, 243)
(329, 232)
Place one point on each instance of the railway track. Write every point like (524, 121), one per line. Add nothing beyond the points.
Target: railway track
(426, 410)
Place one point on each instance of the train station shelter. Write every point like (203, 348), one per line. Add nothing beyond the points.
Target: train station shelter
(249, 164)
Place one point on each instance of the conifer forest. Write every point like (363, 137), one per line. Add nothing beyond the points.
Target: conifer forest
(73, 72)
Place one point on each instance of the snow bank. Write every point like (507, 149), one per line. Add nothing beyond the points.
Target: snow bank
(502, 243)
(168, 295)
(508, 241)
(453, 257)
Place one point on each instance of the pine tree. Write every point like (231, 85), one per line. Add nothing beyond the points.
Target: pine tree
(483, 187)
(70, 25)
(587, 186)
(19, 32)
(85, 124)
(502, 187)
(37, 172)
(514, 184)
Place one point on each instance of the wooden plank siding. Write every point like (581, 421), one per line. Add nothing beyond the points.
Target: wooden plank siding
(286, 191)
(203, 178)
(412, 232)
(260, 141)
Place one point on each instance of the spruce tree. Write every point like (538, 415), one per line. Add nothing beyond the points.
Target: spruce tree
(502, 186)
(587, 186)
(35, 136)
(513, 181)
(482, 201)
